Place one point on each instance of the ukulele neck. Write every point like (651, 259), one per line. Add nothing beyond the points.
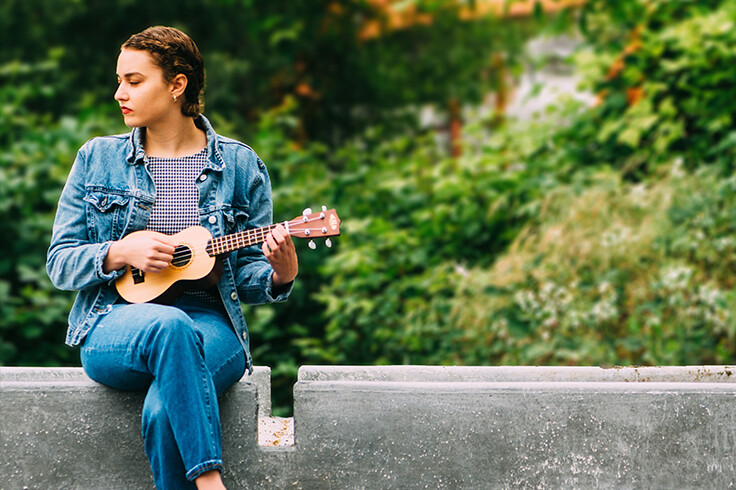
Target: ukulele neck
(236, 241)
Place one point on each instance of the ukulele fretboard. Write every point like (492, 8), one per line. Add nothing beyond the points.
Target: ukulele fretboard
(229, 243)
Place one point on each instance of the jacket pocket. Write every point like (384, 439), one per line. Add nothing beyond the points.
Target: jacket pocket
(235, 219)
(106, 211)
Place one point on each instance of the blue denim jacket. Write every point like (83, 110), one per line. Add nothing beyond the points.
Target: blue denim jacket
(109, 193)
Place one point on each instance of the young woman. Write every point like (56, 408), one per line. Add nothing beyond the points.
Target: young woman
(171, 172)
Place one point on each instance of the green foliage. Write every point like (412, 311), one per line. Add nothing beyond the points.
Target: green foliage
(662, 71)
(644, 276)
(414, 218)
(37, 152)
(531, 249)
(634, 271)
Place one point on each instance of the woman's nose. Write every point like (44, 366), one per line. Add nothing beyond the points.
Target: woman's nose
(120, 93)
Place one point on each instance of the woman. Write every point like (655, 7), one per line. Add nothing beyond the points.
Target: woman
(172, 171)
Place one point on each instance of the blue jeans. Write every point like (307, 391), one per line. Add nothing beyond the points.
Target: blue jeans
(185, 355)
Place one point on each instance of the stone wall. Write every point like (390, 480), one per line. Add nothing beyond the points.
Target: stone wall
(399, 427)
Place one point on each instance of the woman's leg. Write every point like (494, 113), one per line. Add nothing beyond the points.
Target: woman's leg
(224, 354)
(169, 470)
(177, 353)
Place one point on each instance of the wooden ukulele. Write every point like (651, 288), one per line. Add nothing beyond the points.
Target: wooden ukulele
(197, 254)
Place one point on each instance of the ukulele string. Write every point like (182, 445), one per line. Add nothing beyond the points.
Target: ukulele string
(250, 234)
(197, 246)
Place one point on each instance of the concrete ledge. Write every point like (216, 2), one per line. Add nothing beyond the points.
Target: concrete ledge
(679, 374)
(506, 435)
(261, 378)
(59, 429)
(509, 427)
(400, 427)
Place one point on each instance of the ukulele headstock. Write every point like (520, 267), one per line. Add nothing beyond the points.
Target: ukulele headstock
(310, 225)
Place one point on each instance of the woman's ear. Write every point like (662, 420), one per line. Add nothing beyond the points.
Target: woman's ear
(178, 85)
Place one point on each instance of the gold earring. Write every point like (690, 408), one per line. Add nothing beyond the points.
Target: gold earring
(175, 98)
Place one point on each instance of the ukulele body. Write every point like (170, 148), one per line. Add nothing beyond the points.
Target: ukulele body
(191, 263)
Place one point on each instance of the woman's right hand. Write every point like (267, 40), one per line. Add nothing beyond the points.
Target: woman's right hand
(148, 251)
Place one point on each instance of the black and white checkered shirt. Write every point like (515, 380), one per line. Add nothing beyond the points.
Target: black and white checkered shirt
(177, 197)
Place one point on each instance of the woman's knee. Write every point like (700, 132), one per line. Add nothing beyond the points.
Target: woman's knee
(230, 371)
(173, 326)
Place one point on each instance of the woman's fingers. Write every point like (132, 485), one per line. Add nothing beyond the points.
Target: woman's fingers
(149, 251)
(281, 254)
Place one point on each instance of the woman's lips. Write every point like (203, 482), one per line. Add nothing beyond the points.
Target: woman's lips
(126, 110)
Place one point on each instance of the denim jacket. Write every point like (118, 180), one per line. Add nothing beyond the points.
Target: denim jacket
(110, 192)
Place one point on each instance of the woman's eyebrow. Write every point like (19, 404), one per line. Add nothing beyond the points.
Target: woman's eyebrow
(129, 75)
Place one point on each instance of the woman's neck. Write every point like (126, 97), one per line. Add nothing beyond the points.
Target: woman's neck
(174, 139)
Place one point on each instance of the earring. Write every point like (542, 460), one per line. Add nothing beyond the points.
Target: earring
(175, 98)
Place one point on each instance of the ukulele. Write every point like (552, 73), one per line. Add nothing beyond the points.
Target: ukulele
(198, 254)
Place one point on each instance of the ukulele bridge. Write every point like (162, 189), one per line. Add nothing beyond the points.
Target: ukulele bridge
(138, 275)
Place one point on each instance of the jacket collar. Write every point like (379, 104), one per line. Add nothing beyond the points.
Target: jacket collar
(137, 153)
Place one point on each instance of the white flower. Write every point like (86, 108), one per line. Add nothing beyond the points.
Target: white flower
(677, 170)
(526, 301)
(654, 321)
(639, 194)
(723, 244)
(710, 295)
(676, 277)
(605, 310)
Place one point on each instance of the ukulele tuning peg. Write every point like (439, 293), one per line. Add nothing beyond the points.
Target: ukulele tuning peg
(328, 242)
(312, 245)
(324, 208)
(307, 211)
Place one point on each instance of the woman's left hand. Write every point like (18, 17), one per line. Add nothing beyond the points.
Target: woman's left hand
(281, 254)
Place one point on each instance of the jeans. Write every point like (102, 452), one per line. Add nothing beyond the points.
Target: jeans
(185, 356)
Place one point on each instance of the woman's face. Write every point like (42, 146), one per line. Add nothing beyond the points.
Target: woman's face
(144, 96)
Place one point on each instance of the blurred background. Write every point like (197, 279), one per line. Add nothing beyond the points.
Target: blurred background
(520, 183)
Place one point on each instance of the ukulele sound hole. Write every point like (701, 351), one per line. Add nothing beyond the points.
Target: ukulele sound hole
(182, 256)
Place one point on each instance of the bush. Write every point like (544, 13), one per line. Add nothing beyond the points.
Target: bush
(662, 72)
(617, 274)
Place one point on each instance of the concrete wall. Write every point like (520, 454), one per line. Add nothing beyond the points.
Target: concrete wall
(400, 427)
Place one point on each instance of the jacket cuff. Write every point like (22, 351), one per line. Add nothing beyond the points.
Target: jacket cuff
(277, 294)
(100, 260)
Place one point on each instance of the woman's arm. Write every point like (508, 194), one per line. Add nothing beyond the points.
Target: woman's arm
(73, 261)
(76, 261)
(263, 277)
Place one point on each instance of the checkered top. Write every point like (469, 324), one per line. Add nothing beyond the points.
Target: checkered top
(177, 198)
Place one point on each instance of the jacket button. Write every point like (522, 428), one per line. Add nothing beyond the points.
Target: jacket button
(234, 296)
(212, 220)
(203, 177)
(245, 335)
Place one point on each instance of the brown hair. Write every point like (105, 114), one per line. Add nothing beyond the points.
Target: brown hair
(174, 52)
